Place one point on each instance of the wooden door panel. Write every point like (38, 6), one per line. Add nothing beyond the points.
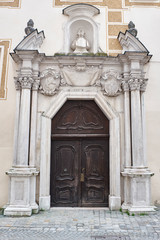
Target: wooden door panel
(80, 117)
(94, 195)
(64, 162)
(95, 160)
(64, 169)
(80, 140)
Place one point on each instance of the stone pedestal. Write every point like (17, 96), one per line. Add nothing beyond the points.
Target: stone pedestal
(22, 200)
(137, 185)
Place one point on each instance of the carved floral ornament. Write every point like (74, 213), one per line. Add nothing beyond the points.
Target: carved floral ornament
(23, 82)
(133, 84)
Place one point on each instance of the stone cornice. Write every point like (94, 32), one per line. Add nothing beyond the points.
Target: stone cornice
(73, 70)
(127, 57)
(131, 43)
(32, 41)
(81, 9)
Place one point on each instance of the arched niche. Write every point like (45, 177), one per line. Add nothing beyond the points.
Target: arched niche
(81, 17)
(88, 29)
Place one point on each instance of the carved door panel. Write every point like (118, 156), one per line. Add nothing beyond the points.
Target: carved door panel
(80, 156)
(64, 173)
(80, 173)
(95, 165)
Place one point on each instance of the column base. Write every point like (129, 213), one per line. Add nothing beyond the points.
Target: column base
(137, 194)
(114, 203)
(138, 209)
(18, 211)
(44, 203)
(35, 208)
(22, 192)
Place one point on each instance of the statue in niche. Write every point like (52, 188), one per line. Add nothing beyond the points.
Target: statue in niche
(80, 45)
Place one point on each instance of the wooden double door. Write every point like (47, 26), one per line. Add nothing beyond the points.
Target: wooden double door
(80, 156)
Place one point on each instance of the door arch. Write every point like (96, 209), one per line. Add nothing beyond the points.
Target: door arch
(79, 155)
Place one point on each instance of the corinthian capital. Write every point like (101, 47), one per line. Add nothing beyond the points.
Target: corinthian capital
(36, 84)
(26, 82)
(134, 84)
(17, 83)
(144, 84)
(125, 85)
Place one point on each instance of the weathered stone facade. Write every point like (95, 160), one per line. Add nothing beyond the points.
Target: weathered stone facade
(44, 84)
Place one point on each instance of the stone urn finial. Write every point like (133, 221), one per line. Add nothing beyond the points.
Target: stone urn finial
(132, 29)
(30, 27)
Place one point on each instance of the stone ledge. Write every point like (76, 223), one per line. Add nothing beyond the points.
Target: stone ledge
(18, 211)
(22, 172)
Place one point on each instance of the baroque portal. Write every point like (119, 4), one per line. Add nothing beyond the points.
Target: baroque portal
(80, 72)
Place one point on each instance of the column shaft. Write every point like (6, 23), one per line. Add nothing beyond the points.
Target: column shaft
(32, 158)
(143, 127)
(16, 128)
(24, 127)
(137, 140)
(127, 130)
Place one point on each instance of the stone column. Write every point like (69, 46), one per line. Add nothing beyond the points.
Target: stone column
(143, 89)
(127, 141)
(127, 130)
(33, 130)
(24, 122)
(22, 177)
(137, 178)
(18, 100)
(136, 124)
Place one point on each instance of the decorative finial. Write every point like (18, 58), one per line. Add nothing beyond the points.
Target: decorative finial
(132, 29)
(29, 27)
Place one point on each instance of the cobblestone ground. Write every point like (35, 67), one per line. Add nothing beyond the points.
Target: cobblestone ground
(80, 224)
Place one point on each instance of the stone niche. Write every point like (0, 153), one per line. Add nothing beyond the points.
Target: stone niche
(44, 84)
(81, 17)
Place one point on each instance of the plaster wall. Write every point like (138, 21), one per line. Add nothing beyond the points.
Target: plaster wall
(7, 116)
(152, 99)
(51, 20)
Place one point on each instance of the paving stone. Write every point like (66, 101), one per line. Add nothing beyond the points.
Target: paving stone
(81, 224)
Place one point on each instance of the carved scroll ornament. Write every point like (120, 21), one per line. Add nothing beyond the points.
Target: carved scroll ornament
(111, 83)
(50, 82)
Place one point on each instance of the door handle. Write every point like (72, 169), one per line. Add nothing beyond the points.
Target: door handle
(82, 175)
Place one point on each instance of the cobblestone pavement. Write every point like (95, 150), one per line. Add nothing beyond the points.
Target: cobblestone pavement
(80, 224)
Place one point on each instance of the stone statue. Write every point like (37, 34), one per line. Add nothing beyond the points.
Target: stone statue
(29, 27)
(132, 29)
(80, 45)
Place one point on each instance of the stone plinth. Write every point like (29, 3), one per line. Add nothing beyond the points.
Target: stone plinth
(22, 189)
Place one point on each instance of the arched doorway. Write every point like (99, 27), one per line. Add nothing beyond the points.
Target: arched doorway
(79, 156)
